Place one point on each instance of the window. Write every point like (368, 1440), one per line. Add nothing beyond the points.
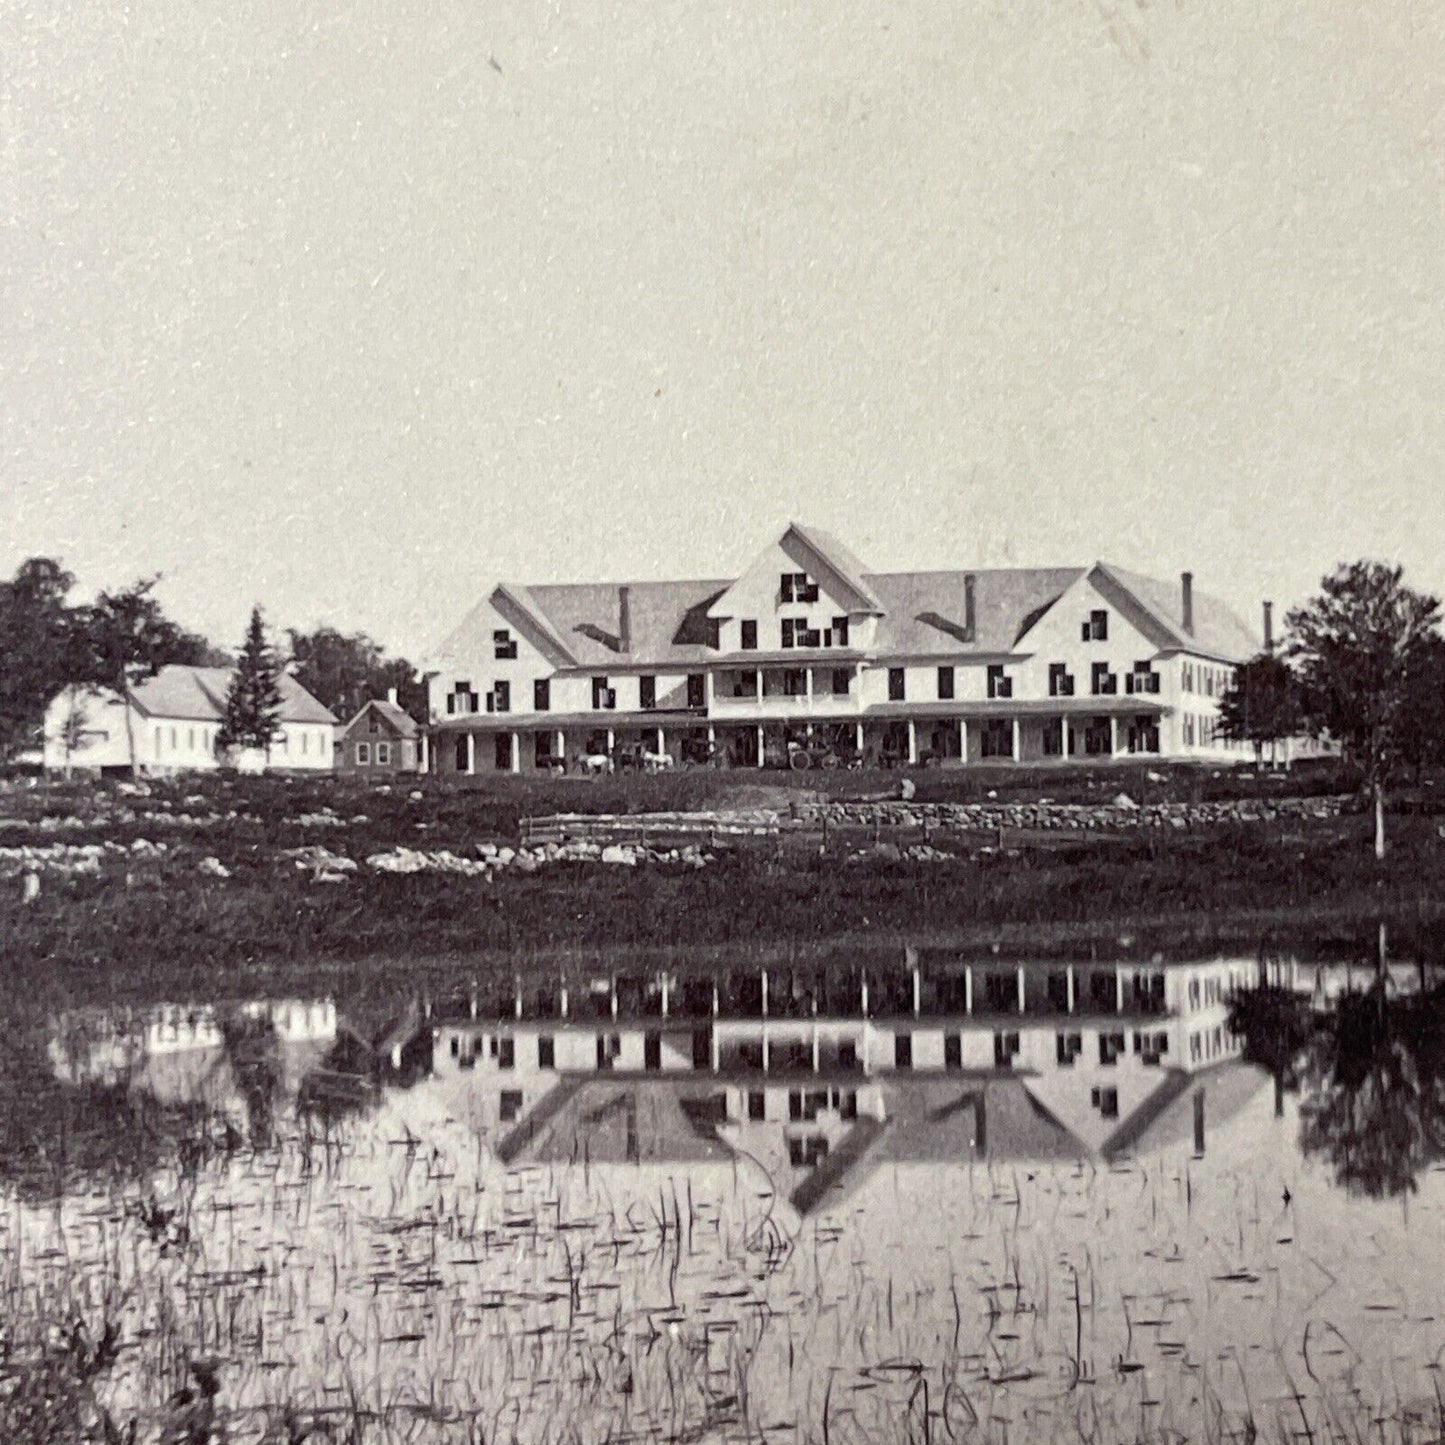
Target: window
(997, 739)
(1067, 1048)
(902, 1051)
(1141, 679)
(696, 689)
(757, 1104)
(542, 695)
(788, 625)
(504, 645)
(842, 681)
(511, 1105)
(603, 697)
(506, 1053)
(363, 754)
(795, 681)
(652, 1051)
(173, 739)
(953, 1051)
(897, 685)
(945, 683)
(1054, 737)
(1102, 681)
(1000, 684)
(1111, 1046)
(840, 632)
(749, 630)
(647, 692)
(1106, 1101)
(502, 694)
(383, 754)
(1096, 627)
(1061, 682)
(461, 699)
(1005, 1050)
(797, 587)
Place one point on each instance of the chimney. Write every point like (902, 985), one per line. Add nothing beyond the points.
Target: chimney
(1186, 582)
(969, 612)
(1269, 627)
(624, 619)
(391, 696)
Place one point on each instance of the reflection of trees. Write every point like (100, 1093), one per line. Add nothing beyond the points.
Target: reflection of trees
(253, 1054)
(1372, 1068)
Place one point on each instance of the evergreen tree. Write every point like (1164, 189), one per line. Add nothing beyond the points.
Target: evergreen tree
(253, 700)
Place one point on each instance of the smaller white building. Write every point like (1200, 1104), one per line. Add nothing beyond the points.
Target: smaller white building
(169, 723)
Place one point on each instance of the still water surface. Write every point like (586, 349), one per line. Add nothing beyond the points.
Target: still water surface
(1063, 1210)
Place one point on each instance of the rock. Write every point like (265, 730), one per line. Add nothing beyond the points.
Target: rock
(212, 867)
(1123, 800)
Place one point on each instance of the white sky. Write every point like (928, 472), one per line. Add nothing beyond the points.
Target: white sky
(312, 305)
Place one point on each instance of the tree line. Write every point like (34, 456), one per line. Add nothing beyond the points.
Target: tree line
(1362, 665)
(49, 642)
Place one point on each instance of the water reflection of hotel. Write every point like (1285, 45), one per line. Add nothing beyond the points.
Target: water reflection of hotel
(820, 1077)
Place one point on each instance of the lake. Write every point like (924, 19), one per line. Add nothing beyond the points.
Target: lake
(913, 1197)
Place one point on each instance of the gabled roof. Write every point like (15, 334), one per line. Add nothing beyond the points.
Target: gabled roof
(834, 557)
(199, 694)
(1218, 632)
(403, 723)
(924, 612)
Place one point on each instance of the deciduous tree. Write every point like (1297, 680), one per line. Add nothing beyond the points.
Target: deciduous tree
(1262, 705)
(1357, 645)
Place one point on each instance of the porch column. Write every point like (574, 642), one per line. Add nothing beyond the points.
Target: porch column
(611, 741)
(711, 737)
(963, 740)
(764, 977)
(1069, 976)
(1118, 990)
(559, 738)
(562, 999)
(612, 989)
(815, 1046)
(1017, 746)
(665, 991)
(808, 686)
(1023, 992)
(1113, 735)
(865, 995)
(661, 743)
(517, 996)
(766, 1059)
(760, 745)
(516, 752)
(858, 736)
(912, 741)
(471, 753)
(917, 991)
(716, 1043)
(968, 988)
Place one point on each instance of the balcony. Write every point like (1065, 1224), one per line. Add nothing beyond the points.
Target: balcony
(756, 693)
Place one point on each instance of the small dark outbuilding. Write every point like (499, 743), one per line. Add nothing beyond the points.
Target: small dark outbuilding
(381, 738)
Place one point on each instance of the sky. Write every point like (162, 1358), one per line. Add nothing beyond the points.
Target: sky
(354, 309)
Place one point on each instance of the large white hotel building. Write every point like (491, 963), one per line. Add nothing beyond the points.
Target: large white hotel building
(808, 646)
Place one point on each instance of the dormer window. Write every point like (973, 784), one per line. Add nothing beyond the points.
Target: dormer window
(1096, 627)
(504, 645)
(797, 587)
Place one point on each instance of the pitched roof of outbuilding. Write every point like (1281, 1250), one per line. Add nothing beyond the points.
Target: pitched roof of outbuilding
(199, 693)
(405, 725)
